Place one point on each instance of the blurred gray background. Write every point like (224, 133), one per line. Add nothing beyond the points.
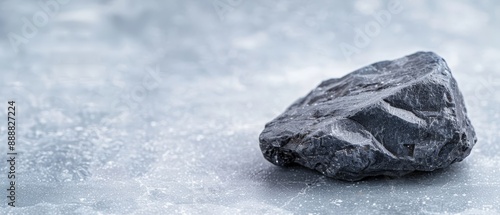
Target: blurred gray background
(155, 107)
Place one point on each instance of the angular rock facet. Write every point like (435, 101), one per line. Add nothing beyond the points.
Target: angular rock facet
(389, 118)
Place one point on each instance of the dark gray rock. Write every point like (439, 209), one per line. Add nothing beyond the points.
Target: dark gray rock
(390, 118)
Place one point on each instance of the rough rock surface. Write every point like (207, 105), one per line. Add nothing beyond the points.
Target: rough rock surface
(389, 118)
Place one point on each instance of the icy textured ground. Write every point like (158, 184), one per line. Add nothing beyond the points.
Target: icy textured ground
(128, 107)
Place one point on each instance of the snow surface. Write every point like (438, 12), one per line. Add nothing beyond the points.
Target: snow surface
(155, 107)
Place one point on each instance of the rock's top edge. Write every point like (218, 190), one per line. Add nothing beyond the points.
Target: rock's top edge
(383, 78)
